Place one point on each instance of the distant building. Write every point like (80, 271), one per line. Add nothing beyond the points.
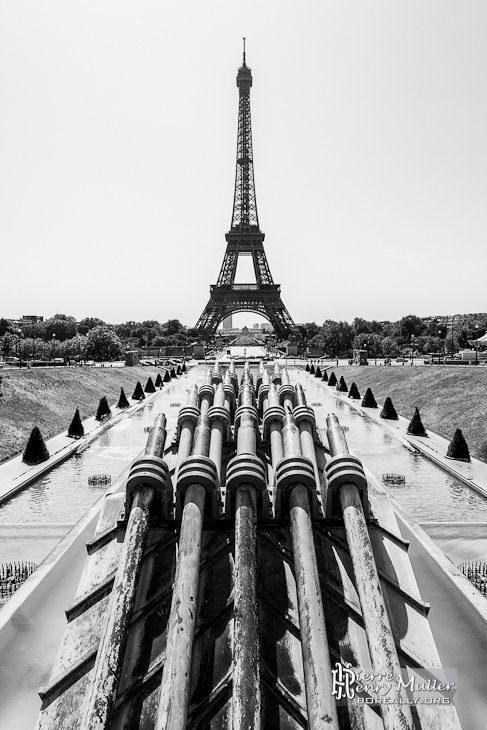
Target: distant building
(227, 323)
(32, 318)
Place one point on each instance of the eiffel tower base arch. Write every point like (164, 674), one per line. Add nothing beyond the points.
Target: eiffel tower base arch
(264, 300)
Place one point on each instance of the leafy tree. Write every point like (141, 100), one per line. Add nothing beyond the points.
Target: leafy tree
(103, 344)
(360, 326)
(89, 323)
(172, 326)
(149, 386)
(410, 325)
(337, 337)
(389, 347)
(370, 342)
(332, 380)
(9, 343)
(343, 385)
(5, 326)
(76, 347)
(159, 381)
(62, 326)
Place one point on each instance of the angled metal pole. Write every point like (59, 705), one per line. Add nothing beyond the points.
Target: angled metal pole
(295, 478)
(245, 480)
(147, 477)
(345, 474)
(197, 475)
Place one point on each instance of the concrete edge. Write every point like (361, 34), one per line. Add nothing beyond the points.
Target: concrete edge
(477, 601)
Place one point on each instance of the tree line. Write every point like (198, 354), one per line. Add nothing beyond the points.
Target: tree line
(410, 334)
(92, 338)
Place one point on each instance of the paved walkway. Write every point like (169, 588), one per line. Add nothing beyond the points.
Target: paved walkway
(433, 446)
(15, 474)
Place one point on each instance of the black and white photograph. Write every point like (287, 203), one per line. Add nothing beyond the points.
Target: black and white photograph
(243, 365)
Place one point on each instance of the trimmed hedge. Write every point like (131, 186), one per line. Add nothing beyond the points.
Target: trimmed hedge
(416, 425)
(368, 400)
(388, 410)
(76, 430)
(36, 450)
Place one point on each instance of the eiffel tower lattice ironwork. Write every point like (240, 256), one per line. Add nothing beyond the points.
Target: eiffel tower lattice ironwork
(245, 239)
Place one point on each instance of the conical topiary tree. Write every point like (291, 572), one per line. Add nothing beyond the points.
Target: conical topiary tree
(76, 430)
(36, 450)
(388, 410)
(368, 401)
(103, 410)
(159, 381)
(138, 393)
(183, 369)
(149, 386)
(332, 380)
(123, 401)
(167, 377)
(178, 371)
(312, 369)
(307, 367)
(343, 385)
(172, 373)
(457, 448)
(416, 425)
(318, 372)
(325, 376)
(353, 392)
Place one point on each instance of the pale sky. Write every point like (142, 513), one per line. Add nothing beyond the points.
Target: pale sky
(118, 140)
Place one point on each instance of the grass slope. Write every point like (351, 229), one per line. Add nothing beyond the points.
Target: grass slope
(448, 398)
(48, 398)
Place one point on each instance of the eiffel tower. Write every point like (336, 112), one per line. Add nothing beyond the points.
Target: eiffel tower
(245, 239)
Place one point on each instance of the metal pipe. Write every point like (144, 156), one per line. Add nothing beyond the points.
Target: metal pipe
(175, 684)
(188, 417)
(321, 705)
(286, 391)
(207, 393)
(246, 670)
(109, 658)
(306, 421)
(380, 639)
(174, 690)
(322, 710)
(219, 418)
(275, 424)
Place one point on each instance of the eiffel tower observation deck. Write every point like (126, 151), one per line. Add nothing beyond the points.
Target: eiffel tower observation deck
(245, 239)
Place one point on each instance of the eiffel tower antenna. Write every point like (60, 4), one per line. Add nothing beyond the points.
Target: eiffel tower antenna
(245, 239)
